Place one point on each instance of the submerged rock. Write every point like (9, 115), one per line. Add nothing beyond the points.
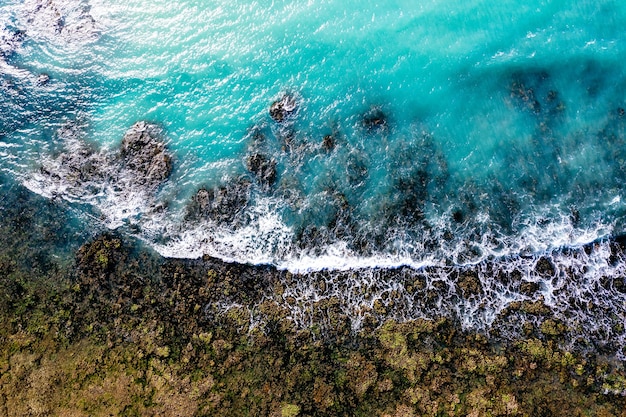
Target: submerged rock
(533, 91)
(144, 152)
(356, 168)
(283, 108)
(328, 143)
(264, 169)
(375, 120)
(42, 80)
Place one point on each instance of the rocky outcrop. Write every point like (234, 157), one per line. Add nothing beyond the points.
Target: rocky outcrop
(375, 120)
(59, 21)
(144, 152)
(263, 168)
(221, 204)
(283, 108)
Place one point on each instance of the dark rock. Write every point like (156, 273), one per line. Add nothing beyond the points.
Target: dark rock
(412, 194)
(283, 108)
(10, 40)
(43, 80)
(328, 142)
(264, 169)
(458, 216)
(529, 288)
(144, 152)
(575, 217)
(375, 120)
(222, 204)
(470, 284)
(544, 267)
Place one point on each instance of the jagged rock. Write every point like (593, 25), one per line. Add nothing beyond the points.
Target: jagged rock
(544, 267)
(264, 169)
(283, 108)
(69, 22)
(221, 204)
(144, 152)
(328, 142)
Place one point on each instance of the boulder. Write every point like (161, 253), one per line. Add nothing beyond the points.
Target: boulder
(144, 152)
(221, 204)
(264, 169)
(283, 108)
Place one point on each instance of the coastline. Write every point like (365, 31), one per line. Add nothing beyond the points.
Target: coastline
(117, 329)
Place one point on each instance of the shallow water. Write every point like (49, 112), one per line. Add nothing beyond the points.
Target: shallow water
(440, 133)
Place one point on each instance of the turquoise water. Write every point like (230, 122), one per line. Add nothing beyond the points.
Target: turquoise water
(501, 131)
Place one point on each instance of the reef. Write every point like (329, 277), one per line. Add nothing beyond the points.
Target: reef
(143, 153)
(107, 327)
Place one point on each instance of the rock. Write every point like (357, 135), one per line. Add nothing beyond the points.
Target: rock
(375, 120)
(42, 80)
(54, 20)
(544, 267)
(328, 142)
(283, 108)
(552, 327)
(469, 283)
(221, 204)
(144, 152)
(356, 168)
(529, 288)
(264, 169)
(458, 216)
(10, 40)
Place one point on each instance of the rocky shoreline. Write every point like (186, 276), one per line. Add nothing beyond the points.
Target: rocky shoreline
(111, 328)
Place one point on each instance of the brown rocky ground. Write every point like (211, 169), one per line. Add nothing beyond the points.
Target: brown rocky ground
(118, 330)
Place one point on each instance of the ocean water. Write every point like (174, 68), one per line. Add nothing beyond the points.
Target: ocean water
(434, 133)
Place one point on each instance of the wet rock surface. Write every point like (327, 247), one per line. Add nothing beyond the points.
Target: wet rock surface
(283, 108)
(263, 168)
(79, 171)
(223, 204)
(144, 152)
(56, 20)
